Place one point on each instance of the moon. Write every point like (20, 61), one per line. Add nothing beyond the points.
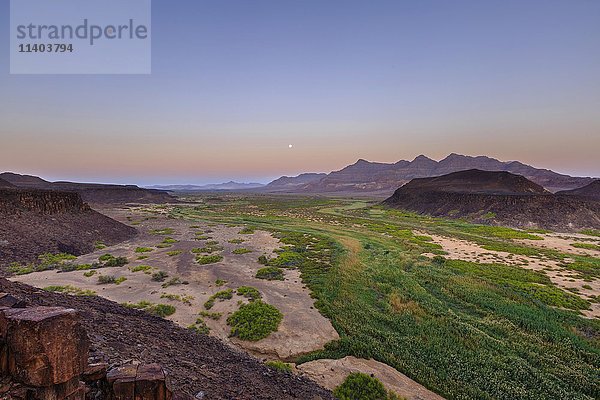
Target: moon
(290, 145)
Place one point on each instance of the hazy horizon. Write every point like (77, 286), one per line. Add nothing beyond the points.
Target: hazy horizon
(234, 84)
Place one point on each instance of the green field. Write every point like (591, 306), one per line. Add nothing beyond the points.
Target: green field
(463, 329)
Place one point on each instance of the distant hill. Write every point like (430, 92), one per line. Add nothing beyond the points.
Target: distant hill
(497, 198)
(5, 184)
(382, 178)
(295, 182)
(36, 221)
(92, 192)
(231, 185)
(591, 191)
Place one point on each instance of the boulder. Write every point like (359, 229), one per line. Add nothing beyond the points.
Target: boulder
(43, 346)
(139, 382)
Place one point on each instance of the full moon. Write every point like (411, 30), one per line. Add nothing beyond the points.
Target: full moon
(290, 146)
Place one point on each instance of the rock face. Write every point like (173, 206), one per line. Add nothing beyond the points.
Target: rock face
(6, 185)
(140, 382)
(92, 192)
(33, 222)
(497, 198)
(383, 178)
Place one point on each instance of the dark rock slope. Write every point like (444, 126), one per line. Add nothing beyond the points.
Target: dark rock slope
(33, 222)
(591, 191)
(196, 363)
(498, 198)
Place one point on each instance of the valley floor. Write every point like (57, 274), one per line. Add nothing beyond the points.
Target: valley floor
(457, 310)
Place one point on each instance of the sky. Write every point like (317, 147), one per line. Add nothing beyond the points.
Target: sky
(235, 82)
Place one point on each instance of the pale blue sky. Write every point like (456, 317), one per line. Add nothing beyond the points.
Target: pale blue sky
(234, 82)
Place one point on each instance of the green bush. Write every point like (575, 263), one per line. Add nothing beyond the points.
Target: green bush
(200, 327)
(254, 321)
(143, 249)
(159, 276)
(359, 386)
(236, 241)
(174, 253)
(247, 231)
(263, 260)
(241, 251)
(279, 365)
(249, 292)
(160, 310)
(210, 259)
(139, 268)
(68, 289)
(270, 273)
(106, 279)
(222, 295)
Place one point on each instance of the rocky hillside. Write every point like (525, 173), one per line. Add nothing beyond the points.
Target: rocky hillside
(290, 183)
(591, 191)
(383, 178)
(198, 365)
(92, 192)
(498, 198)
(33, 222)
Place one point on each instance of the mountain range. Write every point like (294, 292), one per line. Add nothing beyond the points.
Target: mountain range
(374, 178)
(231, 185)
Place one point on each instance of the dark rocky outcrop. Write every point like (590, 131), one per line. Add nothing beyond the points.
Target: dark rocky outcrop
(92, 192)
(591, 191)
(498, 198)
(6, 185)
(34, 222)
(197, 365)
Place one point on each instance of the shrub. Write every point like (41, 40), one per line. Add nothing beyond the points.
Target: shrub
(143, 249)
(106, 279)
(236, 241)
(174, 253)
(241, 251)
(160, 310)
(222, 295)
(68, 289)
(174, 281)
(99, 245)
(159, 276)
(263, 260)
(110, 261)
(169, 240)
(120, 280)
(200, 327)
(440, 260)
(248, 230)
(359, 386)
(279, 365)
(164, 231)
(212, 315)
(270, 274)
(18, 269)
(89, 274)
(176, 297)
(220, 282)
(249, 292)
(287, 259)
(254, 321)
(211, 259)
(139, 268)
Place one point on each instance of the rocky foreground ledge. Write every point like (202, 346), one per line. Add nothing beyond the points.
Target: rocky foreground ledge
(57, 347)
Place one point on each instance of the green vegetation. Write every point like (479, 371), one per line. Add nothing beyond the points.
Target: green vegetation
(212, 315)
(164, 231)
(210, 259)
(174, 281)
(249, 292)
(270, 274)
(464, 330)
(99, 245)
(200, 327)
(221, 296)
(236, 241)
(248, 230)
(144, 249)
(220, 282)
(109, 261)
(68, 289)
(254, 321)
(110, 279)
(241, 251)
(359, 386)
(177, 297)
(159, 276)
(591, 232)
(174, 253)
(160, 310)
(588, 246)
(279, 365)
(89, 274)
(139, 268)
